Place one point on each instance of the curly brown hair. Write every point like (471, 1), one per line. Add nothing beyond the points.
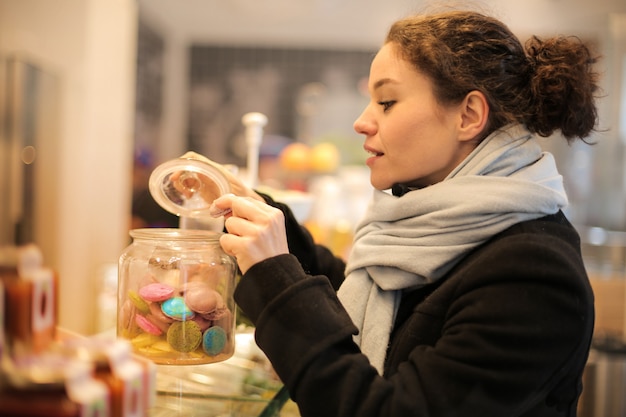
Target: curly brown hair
(546, 85)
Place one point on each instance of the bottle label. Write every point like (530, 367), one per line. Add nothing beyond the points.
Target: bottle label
(96, 408)
(43, 304)
(134, 400)
(83, 388)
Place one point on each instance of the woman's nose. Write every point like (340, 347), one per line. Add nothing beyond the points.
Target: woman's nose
(364, 125)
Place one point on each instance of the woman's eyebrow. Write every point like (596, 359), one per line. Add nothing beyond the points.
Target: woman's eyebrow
(382, 82)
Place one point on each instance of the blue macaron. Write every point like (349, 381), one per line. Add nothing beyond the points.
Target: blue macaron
(214, 340)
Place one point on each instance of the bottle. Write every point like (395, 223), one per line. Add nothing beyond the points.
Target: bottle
(52, 385)
(130, 384)
(30, 301)
(2, 331)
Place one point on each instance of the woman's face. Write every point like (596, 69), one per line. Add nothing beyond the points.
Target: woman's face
(411, 138)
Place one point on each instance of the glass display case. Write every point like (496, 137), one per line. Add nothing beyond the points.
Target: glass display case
(244, 386)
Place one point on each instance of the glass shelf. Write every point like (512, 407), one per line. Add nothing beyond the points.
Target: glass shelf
(241, 386)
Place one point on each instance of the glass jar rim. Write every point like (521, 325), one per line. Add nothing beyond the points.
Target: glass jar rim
(174, 234)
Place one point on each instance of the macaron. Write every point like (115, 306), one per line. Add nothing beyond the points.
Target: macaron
(213, 275)
(214, 340)
(140, 303)
(201, 298)
(184, 336)
(161, 324)
(191, 286)
(147, 326)
(217, 314)
(144, 339)
(202, 322)
(156, 292)
(176, 308)
(157, 313)
(226, 320)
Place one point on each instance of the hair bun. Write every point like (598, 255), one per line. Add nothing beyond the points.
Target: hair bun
(563, 83)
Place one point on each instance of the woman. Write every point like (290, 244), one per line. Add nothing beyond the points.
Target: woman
(465, 293)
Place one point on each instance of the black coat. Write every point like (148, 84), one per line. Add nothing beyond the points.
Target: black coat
(505, 333)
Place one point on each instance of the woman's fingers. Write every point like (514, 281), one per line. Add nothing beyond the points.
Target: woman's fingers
(256, 231)
(220, 207)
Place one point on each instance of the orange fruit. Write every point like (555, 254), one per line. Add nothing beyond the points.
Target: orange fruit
(295, 157)
(325, 157)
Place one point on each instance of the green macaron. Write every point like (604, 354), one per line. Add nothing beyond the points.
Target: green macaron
(184, 336)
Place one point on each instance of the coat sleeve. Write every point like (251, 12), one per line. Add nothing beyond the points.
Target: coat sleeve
(516, 329)
(315, 259)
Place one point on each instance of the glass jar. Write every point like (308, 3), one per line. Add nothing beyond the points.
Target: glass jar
(175, 296)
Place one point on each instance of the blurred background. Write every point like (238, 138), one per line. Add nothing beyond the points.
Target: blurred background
(95, 93)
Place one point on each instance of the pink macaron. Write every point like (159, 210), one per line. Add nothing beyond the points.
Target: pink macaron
(147, 326)
(156, 292)
(159, 323)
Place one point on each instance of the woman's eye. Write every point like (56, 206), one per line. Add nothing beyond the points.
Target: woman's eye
(386, 104)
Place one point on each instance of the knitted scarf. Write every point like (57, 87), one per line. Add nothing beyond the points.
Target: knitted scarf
(412, 240)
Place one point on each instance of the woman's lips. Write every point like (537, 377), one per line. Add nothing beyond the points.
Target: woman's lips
(374, 155)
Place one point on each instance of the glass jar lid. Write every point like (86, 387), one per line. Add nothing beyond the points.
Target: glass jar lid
(187, 186)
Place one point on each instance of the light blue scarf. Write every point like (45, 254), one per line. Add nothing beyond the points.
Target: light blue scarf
(408, 241)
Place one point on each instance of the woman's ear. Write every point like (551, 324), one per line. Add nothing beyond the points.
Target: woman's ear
(474, 115)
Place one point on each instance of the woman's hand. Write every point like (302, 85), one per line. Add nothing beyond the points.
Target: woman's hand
(256, 230)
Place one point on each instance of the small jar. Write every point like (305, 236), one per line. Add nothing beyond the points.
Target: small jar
(175, 296)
